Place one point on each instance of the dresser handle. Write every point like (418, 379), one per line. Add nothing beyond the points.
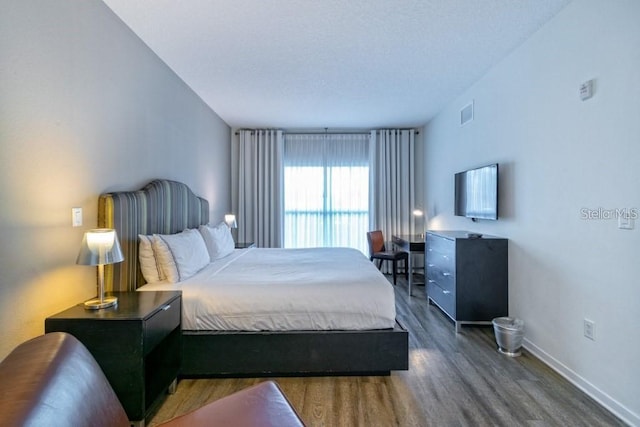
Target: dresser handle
(166, 307)
(429, 265)
(446, 274)
(431, 281)
(446, 292)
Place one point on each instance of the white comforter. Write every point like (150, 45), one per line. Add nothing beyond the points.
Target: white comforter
(286, 289)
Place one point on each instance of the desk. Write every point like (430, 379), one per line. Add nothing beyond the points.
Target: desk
(413, 244)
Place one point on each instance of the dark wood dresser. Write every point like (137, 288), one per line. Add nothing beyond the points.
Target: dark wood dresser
(467, 278)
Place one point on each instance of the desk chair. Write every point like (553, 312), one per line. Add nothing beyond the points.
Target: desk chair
(378, 251)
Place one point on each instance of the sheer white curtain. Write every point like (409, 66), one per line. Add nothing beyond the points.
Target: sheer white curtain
(393, 177)
(260, 187)
(326, 187)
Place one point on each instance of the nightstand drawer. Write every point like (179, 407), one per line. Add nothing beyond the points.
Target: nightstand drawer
(161, 323)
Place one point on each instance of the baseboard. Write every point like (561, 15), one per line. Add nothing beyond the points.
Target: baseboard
(612, 405)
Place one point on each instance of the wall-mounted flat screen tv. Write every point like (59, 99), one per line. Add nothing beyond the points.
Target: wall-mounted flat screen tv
(476, 193)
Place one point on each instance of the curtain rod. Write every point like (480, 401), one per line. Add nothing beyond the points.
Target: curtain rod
(363, 132)
(253, 130)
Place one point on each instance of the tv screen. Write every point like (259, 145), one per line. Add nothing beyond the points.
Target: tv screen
(476, 193)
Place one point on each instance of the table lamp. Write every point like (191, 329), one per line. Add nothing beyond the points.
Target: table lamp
(419, 219)
(99, 247)
(230, 219)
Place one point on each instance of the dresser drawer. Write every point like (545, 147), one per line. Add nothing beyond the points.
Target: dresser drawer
(440, 251)
(440, 264)
(439, 244)
(437, 256)
(444, 278)
(161, 323)
(445, 299)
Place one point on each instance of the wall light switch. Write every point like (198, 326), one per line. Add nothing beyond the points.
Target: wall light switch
(76, 217)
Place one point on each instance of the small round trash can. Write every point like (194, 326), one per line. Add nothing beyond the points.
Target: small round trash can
(509, 332)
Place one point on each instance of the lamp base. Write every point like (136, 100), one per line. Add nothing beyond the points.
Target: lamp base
(97, 304)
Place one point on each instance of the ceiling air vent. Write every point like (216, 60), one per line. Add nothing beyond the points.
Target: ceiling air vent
(466, 114)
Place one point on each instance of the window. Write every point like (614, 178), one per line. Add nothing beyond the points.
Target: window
(326, 190)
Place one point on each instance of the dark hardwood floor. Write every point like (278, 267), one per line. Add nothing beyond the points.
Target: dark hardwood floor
(453, 380)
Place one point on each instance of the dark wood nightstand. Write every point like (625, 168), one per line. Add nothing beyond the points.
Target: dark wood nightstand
(136, 343)
(245, 245)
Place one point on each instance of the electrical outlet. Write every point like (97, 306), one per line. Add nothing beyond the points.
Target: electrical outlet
(586, 90)
(590, 329)
(625, 222)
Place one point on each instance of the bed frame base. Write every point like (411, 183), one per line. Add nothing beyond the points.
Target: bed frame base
(296, 353)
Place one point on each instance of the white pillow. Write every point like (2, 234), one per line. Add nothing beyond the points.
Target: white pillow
(181, 255)
(164, 259)
(147, 258)
(218, 239)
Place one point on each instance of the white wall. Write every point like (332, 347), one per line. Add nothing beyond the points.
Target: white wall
(558, 155)
(85, 107)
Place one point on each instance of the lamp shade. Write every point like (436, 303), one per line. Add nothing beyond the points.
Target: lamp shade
(419, 216)
(230, 219)
(99, 247)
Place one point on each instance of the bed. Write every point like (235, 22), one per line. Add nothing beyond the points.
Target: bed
(341, 331)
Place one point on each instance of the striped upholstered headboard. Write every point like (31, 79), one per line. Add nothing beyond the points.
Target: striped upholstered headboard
(162, 207)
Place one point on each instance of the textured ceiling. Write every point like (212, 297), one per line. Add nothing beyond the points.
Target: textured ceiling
(332, 63)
